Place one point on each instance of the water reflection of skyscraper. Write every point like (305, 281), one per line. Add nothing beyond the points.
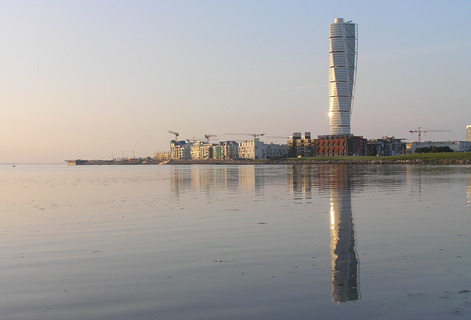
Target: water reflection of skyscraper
(251, 179)
(344, 259)
(468, 188)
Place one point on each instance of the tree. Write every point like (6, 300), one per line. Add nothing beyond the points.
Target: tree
(433, 149)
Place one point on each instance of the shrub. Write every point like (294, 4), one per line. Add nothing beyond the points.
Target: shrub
(433, 149)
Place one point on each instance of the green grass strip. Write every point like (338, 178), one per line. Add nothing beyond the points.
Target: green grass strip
(416, 156)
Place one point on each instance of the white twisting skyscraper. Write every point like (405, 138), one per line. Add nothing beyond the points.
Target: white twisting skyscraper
(342, 74)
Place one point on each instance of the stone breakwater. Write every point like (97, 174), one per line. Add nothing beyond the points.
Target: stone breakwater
(271, 162)
(410, 161)
(313, 161)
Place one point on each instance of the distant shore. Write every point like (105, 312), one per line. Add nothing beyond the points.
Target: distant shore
(451, 158)
(455, 158)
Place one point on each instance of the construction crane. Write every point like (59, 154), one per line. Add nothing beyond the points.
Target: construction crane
(277, 137)
(207, 136)
(193, 140)
(175, 133)
(254, 135)
(421, 130)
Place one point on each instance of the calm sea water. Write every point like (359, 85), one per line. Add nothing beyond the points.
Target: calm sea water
(235, 242)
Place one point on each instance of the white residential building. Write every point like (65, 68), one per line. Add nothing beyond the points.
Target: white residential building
(179, 150)
(256, 149)
(230, 150)
(252, 149)
(200, 150)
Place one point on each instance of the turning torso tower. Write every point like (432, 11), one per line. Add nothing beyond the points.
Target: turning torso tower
(342, 73)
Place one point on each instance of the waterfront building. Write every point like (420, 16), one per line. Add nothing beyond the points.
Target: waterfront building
(256, 149)
(195, 151)
(340, 145)
(252, 149)
(226, 150)
(201, 150)
(326, 145)
(276, 151)
(217, 153)
(342, 74)
(162, 156)
(300, 146)
(386, 146)
(179, 150)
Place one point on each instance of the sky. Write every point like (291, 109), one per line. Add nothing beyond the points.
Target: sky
(93, 79)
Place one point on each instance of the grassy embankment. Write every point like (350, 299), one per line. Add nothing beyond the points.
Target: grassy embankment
(426, 157)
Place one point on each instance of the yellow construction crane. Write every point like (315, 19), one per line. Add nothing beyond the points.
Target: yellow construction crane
(175, 133)
(207, 136)
(421, 130)
(277, 137)
(246, 134)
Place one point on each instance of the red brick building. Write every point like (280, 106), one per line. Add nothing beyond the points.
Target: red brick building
(340, 145)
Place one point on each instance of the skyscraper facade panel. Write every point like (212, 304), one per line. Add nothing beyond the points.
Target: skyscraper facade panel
(342, 71)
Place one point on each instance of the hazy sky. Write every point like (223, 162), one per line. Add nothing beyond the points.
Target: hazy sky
(83, 79)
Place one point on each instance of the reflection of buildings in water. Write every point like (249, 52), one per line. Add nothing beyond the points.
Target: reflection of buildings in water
(468, 188)
(344, 259)
(300, 180)
(180, 179)
(247, 178)
(210, 179)
(414, 178)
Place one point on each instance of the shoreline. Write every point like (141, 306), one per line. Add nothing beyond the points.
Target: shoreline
(418, 161)
(310, 161)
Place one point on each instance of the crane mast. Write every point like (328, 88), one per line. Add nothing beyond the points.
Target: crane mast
(254, 135)
(420, 130)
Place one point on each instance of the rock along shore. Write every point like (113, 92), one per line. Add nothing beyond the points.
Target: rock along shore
(313, 161)
(278, 162)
